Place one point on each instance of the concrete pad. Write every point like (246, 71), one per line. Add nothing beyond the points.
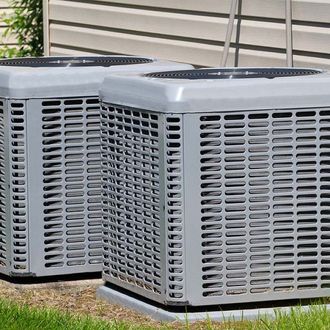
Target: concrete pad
(157, 313)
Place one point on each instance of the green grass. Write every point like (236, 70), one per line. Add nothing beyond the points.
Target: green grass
(318, 318)
(15, 317)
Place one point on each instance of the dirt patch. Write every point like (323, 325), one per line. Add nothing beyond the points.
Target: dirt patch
(81, 300)
(74, 299)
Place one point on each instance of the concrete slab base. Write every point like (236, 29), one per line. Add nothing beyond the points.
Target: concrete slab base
(157, 313)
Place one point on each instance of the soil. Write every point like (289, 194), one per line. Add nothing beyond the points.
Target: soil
(76, 299)
(79, 298)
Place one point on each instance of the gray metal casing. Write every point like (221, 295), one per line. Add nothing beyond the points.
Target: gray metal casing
(50, 220)
(216, 191)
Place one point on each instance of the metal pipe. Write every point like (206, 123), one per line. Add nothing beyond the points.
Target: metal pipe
(238, 32)
(229, 33)
(289, 41)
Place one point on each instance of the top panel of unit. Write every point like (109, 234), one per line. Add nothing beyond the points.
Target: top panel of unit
(220, 89)
(55, 77)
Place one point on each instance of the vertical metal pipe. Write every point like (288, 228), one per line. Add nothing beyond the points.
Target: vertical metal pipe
(229, 33)
(289, 42)
(238, 32)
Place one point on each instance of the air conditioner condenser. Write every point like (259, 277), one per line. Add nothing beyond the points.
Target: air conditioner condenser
(216, 189)
(50, 214)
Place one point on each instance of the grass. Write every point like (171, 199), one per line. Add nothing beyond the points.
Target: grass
(16, 317)
(318, 318)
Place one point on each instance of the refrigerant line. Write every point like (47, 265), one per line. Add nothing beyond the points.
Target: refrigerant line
(289, 37)
(289, 41)
(229, 33)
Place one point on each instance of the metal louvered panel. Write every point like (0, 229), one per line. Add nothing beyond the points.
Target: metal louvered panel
(51, 213)
(322, 180)
(131, 199)
(3, 191)
(71, 183)
(262, 201)
(18, 178)
(211, 219)
(245, 198)
(50, 216)
(174, 208)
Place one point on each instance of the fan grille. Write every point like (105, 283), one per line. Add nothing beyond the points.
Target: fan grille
(268, 73)
(105, 61)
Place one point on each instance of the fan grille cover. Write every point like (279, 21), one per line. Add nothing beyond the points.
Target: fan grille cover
(240, 73)
(105, 61)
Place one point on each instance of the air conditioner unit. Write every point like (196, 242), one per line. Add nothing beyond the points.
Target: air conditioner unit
(50, 214)
(216, 190)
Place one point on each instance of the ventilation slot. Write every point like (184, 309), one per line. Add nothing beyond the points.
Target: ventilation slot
(174, 206)
(3, 190)
(71, 182)
(264, 202)
(18, 186)
(211, 200)
(130, 170)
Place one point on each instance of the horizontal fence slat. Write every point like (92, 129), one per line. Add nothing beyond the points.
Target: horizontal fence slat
(255, 33)
(8, 40)
(191, 31)
(133, 44)
(184, 51)
(303, 10)
(268, 59)
(58, 51)
(3, 4)
(5, 10)
(138, 20)
(248, 58)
